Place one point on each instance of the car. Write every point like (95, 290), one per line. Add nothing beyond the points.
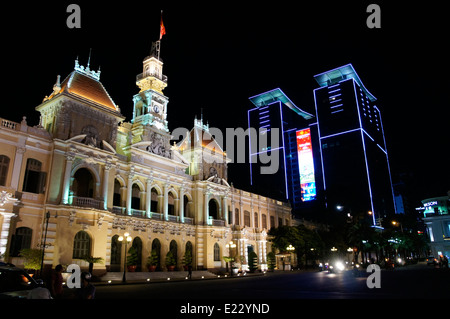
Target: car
(336, 267)
(14, 282)
(431, 260)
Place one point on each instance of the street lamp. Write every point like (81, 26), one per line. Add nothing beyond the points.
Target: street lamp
(44, 244)
(396, 224)
(127, 238)
(230, 246)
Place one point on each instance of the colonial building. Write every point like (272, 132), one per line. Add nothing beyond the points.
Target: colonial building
(84, 176)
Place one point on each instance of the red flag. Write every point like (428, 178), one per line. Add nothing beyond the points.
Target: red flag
(162, 29)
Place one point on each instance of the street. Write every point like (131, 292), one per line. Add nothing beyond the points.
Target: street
(415, 281)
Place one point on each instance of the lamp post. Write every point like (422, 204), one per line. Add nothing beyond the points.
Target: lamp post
(230, 245)
(44, 244)
(127, 238)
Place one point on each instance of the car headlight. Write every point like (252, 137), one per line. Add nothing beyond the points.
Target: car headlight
(340, 265)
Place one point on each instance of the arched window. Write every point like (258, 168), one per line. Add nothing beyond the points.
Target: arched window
(83, 183)
(213, 209)
(117, 198)
(34, 180)
(216, 252)
(256, 220)
(264, 221)
(171, 204)
(4, 166)
(81, 245)
(247, 218)
(187, 211)
(154, 202)
(20, 240)
(135, 197)
(236, 216)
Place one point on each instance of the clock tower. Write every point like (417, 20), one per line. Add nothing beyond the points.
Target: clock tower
(150, 107)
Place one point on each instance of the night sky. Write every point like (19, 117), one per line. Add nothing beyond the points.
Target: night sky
(216, 55)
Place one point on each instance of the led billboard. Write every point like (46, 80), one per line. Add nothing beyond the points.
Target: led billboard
(306, 165)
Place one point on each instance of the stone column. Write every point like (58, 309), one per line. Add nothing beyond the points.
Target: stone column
(66, 182)
(17, 166)
(233, 218)
(166, 202)
(129, 189)
(206, 207)
(4, 235)
(148, 198)
(105, 185)
(225, 209)
(181, 204)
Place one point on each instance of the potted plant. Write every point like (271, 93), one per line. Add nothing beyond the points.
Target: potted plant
(170, 261)
(152, 260)
(93, 260)
(132, 259)
(271, 261)
(252, 261)
(187, 259)
(32, 259)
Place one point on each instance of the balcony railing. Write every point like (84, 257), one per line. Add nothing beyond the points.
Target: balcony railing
(87, 202)
(153, 74)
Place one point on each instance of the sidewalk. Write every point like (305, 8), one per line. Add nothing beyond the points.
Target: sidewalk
(115, 278)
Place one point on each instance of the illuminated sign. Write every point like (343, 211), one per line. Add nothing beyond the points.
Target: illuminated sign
(306, 165)
(433, 203)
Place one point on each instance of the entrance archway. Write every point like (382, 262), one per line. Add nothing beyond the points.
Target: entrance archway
(137, 244)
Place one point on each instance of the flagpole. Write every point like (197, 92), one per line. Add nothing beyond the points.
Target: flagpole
(158, 46)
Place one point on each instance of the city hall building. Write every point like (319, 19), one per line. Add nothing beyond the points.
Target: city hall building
(84, 176)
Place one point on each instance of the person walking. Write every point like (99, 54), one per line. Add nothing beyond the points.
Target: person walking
(190, 272)
(56, 282)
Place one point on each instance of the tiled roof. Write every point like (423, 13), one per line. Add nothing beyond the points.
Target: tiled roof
(88, 88)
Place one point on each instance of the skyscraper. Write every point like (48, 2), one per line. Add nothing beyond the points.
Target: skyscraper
(291, 137)
(355, 164)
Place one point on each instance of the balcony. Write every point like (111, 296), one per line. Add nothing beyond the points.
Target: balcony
(151, 74)
(87, 202)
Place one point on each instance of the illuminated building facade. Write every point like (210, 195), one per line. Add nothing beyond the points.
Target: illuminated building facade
(99, 176)
(437, 219)
(356, 173)
(295, 145)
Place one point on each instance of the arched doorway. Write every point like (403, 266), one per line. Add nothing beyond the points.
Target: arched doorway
(213, 209)
(137, 244)
(156, 245)
(116, 253)
(173, 247)
(83, 183)
(188, 255)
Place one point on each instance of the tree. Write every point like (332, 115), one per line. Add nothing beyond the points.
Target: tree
(284, 236)
(93, 260)
(33, 258)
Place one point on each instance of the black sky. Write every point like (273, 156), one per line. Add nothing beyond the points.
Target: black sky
(218, 54)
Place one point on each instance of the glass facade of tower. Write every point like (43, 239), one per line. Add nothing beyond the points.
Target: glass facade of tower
(355, 163)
